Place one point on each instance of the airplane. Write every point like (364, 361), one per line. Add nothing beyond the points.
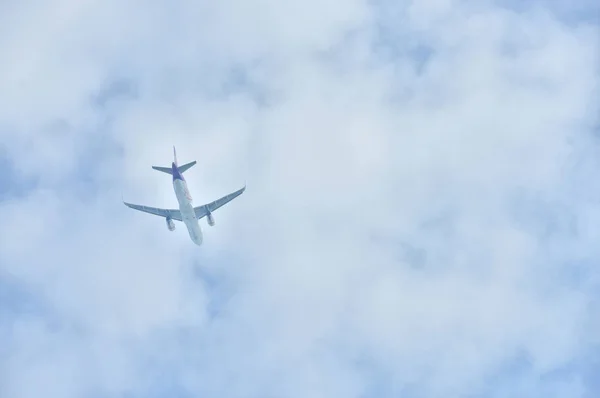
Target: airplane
(187, 213)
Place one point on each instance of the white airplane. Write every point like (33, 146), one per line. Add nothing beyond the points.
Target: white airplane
(187, 212)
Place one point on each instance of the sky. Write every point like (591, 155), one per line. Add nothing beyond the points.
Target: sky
(421, 219)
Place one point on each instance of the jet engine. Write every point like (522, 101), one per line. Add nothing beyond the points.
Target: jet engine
(210, 219)
(170, 224)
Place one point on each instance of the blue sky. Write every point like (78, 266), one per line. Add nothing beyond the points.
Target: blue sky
(421, 218)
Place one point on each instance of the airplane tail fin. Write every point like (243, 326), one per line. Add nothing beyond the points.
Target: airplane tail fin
(169, 170)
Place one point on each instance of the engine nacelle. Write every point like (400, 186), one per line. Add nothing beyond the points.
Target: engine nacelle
(170, 224)
(210, 219)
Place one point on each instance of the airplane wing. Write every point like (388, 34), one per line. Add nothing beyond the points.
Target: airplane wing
(173, 214)
(203, 210)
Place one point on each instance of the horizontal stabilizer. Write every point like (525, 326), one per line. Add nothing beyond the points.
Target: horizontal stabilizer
(167, 170)
(186, 166)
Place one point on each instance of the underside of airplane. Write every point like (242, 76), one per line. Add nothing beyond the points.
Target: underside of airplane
(186, 213)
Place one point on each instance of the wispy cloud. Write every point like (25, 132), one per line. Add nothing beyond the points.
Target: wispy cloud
(421, 215)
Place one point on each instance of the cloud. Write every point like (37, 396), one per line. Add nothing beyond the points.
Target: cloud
(420, 218)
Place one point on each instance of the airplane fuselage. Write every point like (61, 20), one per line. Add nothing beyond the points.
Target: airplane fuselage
(186, 207)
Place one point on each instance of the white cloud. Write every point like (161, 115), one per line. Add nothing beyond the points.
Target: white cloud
(405, 228)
